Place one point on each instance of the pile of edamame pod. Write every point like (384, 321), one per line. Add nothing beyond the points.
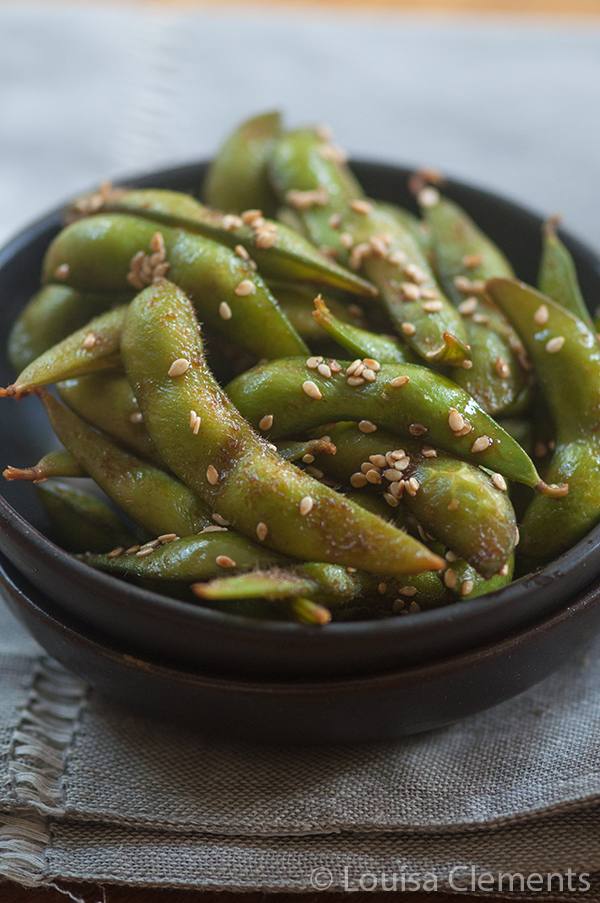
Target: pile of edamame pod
(309, 404)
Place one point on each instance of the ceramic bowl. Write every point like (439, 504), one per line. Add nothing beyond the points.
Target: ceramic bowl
(185, 634)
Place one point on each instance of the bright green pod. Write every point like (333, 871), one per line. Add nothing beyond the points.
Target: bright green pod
(297, 301)
(57, 463)
(360, 342)
(467, 583)
(106, 401)
(156, 501)
(236, 472)
(566, 360)
(237, 178)
(397, 397)
(455, 502)
(79, 521)
(112, 252)
(464, 258)
(278, 251)
(557, 277)
(50, 316)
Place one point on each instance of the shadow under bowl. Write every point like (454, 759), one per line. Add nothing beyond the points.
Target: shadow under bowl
(188, 635)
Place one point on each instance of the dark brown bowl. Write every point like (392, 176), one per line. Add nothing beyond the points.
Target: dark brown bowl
(186, 634)
(358, 709)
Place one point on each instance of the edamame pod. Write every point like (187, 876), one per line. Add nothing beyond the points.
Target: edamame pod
(557, 277)
(81, 522)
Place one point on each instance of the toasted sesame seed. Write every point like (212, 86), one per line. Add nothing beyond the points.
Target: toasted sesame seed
(373, 365)
(481, 319)
(373, 476)
(167, 537)
(468, 306)
(265, 238)
(369, 375)
(541, 315)
(451, 556)
(399, 381)
(481, 444)
(314, 472)
(358, 480)
(346, 240)
(408, 328)
(463, 284)
(246, 287)
(450, 578)
(382, 588)
(308, 458)
(517, 536)
(231, 221)
(272, 447)
(378, 460)
(504, 570)
(402, 463)
(466, 587)
(241, 251)
(353, 367)
(391, 500)
(432, 307)
(62, 271)
(398, 606)
(555, 344)
(304, 200)
(412, 486)
(392, 475)
(502, 368)
(224, 561)
(499, 482)
(212, 475)
(224, 310)
(195, 421)
(266, 422)
(455, 420)
(397, 258)
(470, 261)
(453, 505)
(220, 520)
(379, 247)
(311, 389)
(334, 366)
(179, 367)
(466, 429)
(397, 489)
(355, 381)
(365, 426)
(428, 452)
(250, 216)
(143, 553)
(324, 370)
(358, 252)
(415, 274)
(417, 429)
(409, 291)
(213, 528)
(306, 505)
(116, 552)
(132, 549)
(362, 207)
(89, 341)
(368, 465)
(407, 591)
(428, 196)
(313, 362)
(262, 530)
(466, 365)
(414, 608)
(334, 221)
(136, 417)
(151, 544)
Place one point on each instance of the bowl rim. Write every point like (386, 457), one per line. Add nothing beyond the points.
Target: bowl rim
(583, 555)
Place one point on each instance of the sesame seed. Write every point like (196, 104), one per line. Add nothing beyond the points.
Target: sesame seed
(62, 271)
(179, 367)
(351, 570)
(333, 152)
(499, 482)
(195, 421)
(415, 274)
(308, 458)
(450, 578)
(246, 287)
(392, 475)
(453, 505)
(313, 362)
(167, 537)
(517, 536)
(324, 370)
(262, 530)
(241, 251)
(481, 444)
(358, 252)
(266, 238)
(428, 196)
(502, 368)
(451, 556)
(89, 341)
(355, 381)
(250, 216)
(362, 207)
(311, 389)
(466, 365)
(540, 449)
(212, 475)
(398, 606)
(392, 501)
(541, 315)
(408, 328)
(365, 426)
(266, 422)
(378, 460)
(429, 294)
(334, 366)
(399, 381)
(132, 549)
(358, 480)
(468, 306)
(428, 452)
(455, 420)
(143, 553)
(417, 429)
(470, 261)
(116, 552)
(366, 466)
(397, 488)
(503, 570)
(224, 561)
(314, 472)
(324, 132)
(224, 310)
(136, 417)
(466, 429)
(272, 447)
(467, 587)
(412, 486)
(482, 319)
(369, 375)
(414, 607)
(151, 544)
(407, 591)
(372, 364)
(409, 291)
(355, 366)
(346, 240)
(397, 258)
(402, 463)
(304, 200)
(432, 307)
(213, 528)
(334, 221)
(555, 344)
(373, 476)
(378, 246)
(220, 520)
(382, 589)
(230, 221)
(463, 284)
(306, 505)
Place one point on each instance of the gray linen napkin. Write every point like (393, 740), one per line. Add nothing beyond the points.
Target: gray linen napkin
(91, 791)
